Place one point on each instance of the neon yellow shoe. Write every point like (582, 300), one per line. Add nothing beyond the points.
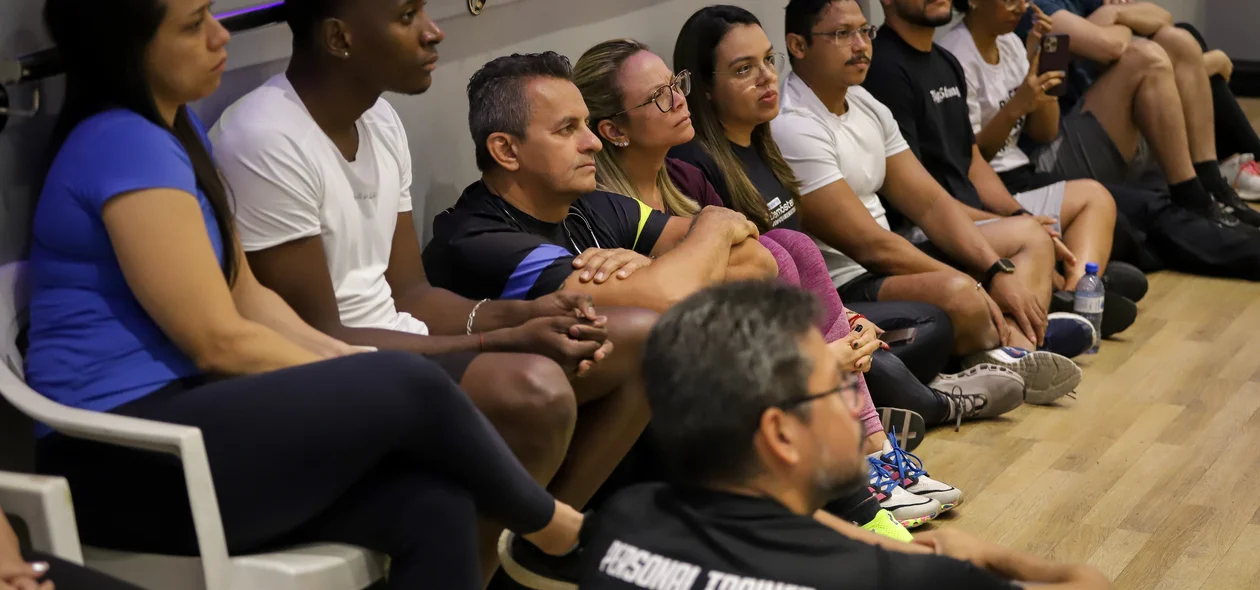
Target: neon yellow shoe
(884, 524)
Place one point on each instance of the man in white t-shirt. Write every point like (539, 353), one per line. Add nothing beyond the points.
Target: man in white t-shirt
(845, 147)
(321, 174)
(1007, 99)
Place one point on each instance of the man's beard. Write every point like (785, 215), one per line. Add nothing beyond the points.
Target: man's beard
(921, 18)
(833, 480)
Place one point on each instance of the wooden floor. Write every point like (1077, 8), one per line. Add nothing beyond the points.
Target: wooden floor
(1153, 473)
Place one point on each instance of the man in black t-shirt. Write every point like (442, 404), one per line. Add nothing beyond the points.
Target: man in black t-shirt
(514, 233)
(761, 428)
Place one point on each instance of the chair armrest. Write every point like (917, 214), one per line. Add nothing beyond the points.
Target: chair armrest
(43, 503)
(184, 442)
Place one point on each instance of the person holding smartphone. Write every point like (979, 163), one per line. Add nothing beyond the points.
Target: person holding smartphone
(1010, 96)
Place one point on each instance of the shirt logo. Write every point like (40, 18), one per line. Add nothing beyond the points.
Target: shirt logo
(945, 93)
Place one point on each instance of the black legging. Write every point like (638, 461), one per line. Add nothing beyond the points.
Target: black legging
(927, 356)
(378, 450)
(892, 385)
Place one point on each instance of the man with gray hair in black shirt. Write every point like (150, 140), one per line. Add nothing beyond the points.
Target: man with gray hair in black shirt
(759, 428)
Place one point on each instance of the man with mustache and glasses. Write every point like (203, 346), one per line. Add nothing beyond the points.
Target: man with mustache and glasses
(514, 233)
(847, 151)
(760, 424)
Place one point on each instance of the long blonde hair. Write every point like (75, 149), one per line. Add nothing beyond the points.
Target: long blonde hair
(596, 75)
(695, 51)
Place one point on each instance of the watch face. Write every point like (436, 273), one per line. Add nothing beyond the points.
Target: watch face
(1006, 265)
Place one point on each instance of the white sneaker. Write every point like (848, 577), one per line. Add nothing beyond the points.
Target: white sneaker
(1047, 376)
(1243, 173)
(911, 510)
(908, 470)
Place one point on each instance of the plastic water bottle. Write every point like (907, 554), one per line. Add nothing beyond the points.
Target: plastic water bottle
(1089, 300)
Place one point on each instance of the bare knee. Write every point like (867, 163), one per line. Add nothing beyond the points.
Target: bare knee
(543, 398)
(527, 397)
(1033, 238)
(1179, 44)
(1092, 196)
(968, 309)
(1144, 55)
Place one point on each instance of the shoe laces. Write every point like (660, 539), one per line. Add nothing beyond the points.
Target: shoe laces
(880, 481)
(1251, 167)
(963, 405)
(907, 464)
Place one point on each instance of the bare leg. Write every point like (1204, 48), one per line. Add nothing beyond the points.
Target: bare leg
(1145, 75)
(1026, 243)
(1088, 219)
(1195, 90)
(955, 293)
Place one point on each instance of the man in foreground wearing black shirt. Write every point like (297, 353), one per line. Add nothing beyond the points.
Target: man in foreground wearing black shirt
(514, 233)
(760, 424)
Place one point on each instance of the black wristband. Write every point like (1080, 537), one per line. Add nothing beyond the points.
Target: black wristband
(1019, 212)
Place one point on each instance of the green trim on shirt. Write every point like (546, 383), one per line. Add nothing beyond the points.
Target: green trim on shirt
(644, 212)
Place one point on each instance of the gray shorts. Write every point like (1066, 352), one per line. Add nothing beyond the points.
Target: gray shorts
(1083, 149)
(1047, 200)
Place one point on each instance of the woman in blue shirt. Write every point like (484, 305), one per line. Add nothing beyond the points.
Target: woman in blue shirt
(143, 305)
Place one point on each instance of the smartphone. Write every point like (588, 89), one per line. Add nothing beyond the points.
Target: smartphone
(902, 336)
(1055, 57)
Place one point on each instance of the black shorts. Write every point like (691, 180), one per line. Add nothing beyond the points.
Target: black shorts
(454, 363)
(865, 288)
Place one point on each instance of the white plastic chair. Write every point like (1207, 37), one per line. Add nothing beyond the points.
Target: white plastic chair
(309, 567)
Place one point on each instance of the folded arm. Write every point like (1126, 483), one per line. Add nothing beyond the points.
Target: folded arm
(443, 311)
(691, 254)
(298, 272)
(1098, 38)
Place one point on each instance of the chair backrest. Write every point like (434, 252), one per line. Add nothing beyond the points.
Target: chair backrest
(14, 299)
(17, 442)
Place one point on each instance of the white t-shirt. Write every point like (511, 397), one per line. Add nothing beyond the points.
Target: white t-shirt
(990, 87)
(290, 181)
(823, 148)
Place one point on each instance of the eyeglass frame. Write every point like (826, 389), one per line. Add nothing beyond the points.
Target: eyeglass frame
(672, 87)
(839, 35)
(761, 68)
(849, 385)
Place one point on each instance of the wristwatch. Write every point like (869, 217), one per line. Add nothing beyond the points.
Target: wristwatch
(1019, 212)
(1002, 265)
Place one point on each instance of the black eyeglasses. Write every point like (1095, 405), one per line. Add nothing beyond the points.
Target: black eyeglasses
(848, 35)
(664, 96)
(848, 389)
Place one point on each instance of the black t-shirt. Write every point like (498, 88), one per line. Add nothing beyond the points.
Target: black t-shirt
(483, 247)
(778, 199)
(927, 94)
(659, 537)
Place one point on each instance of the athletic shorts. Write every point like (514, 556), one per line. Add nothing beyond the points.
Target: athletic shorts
(865, 287)
(1047, 200)
(1083, 149)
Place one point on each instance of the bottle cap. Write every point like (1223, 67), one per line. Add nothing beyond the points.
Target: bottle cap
(1091, 268)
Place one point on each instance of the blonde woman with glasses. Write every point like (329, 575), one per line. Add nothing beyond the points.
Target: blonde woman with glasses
(638, 108)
